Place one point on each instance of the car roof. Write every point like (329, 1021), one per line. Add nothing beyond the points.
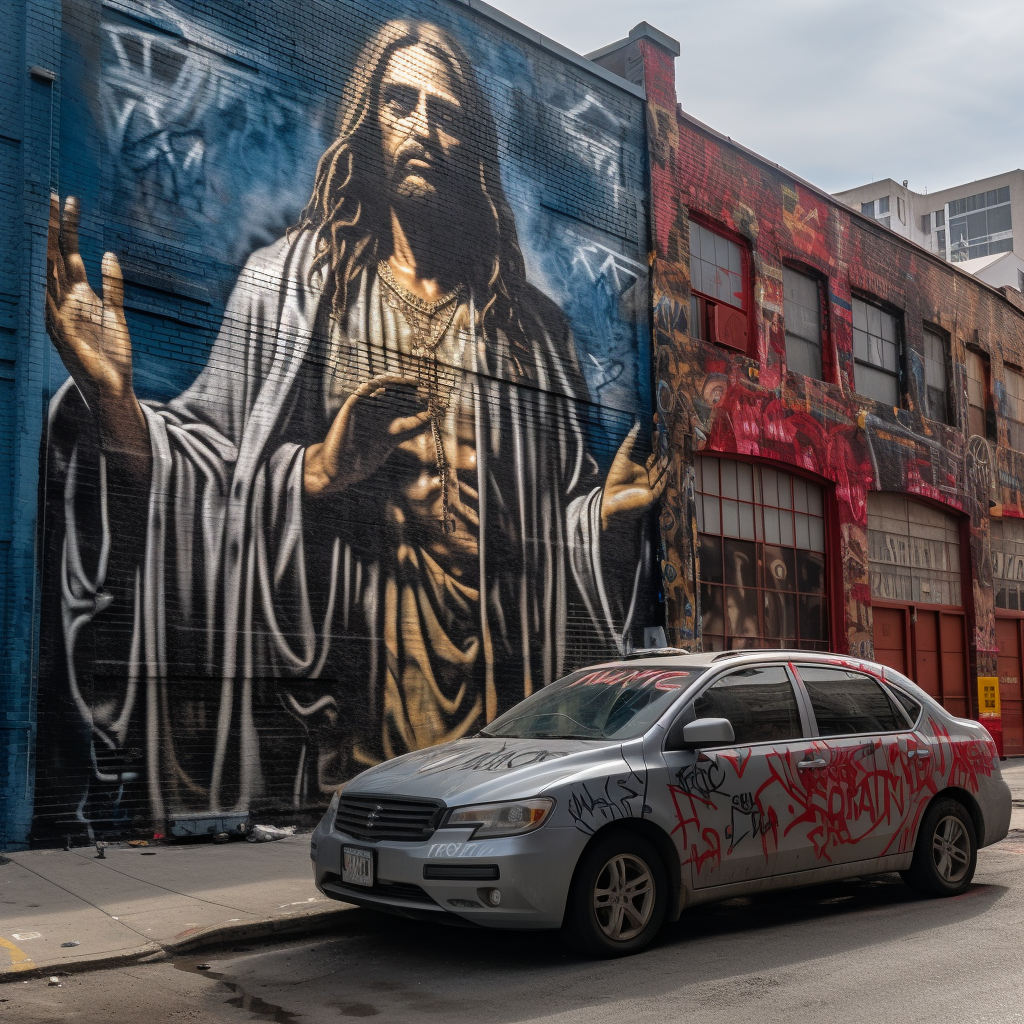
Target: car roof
(665, 657)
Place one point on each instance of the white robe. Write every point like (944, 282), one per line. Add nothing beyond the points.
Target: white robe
(238, 595)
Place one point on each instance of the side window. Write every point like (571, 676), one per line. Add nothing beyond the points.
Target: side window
(759, 702)
(847, 702)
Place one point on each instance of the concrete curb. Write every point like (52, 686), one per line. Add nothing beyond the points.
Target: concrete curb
(281, 926)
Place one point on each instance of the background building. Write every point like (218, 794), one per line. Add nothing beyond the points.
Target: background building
(963, 223)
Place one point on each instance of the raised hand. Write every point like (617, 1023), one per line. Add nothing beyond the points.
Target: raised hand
(379, 416)
(630, 488)
(91, 335)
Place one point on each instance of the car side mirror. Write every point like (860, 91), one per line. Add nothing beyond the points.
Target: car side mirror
(707, 732)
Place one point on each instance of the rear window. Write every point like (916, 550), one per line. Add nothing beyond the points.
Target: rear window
(595, 704)
(846, 702)
(911, 706)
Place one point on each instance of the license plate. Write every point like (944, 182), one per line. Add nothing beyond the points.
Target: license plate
(356, 866)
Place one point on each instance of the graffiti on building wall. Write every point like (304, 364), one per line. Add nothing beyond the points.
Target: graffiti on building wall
(714, 399)
(389, 506)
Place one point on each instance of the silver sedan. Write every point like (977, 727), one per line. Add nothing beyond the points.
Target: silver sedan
(611, 800)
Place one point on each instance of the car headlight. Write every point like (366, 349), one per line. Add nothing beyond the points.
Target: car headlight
(489, 821)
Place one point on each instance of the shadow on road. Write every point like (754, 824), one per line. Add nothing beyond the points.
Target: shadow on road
(408, 971)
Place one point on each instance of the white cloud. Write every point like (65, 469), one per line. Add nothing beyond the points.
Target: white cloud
(842, 92)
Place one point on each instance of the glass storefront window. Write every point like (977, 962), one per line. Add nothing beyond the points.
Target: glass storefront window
(762, 557)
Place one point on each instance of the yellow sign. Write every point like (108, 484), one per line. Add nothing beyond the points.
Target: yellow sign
(988, 697)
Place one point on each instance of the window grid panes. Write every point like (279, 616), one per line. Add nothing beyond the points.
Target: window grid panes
(913, 551)
(762, 557)
(936, 377)
(980, 225)
(977, 393)
(1007, 539)
(716, 267)
(1014, 381)
(803, 323)
(876, 352)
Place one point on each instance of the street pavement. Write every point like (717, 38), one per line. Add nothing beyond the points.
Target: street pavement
(866, 949)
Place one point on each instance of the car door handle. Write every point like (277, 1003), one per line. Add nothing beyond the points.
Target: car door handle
(815, 762)
(921, 755)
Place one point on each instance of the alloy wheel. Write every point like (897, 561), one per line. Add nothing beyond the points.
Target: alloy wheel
(951, 849)
(624, 897)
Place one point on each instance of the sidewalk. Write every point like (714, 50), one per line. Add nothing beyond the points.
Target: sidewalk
(1013, 772)
(140, 903)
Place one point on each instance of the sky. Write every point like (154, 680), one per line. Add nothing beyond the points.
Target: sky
(840, 92)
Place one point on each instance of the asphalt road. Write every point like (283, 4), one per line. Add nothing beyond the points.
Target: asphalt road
(864, 950)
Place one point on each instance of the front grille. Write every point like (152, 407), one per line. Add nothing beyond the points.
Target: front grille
(385, 817)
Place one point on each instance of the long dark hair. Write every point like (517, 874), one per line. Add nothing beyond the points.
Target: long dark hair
(347, 208)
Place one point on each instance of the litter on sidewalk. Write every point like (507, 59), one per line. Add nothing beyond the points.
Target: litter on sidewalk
(268, 833)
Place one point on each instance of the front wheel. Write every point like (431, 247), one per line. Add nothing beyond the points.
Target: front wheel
(946, 853)
(618, 897)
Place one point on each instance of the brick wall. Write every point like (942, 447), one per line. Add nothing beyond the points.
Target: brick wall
(216, 635)
(821, 429)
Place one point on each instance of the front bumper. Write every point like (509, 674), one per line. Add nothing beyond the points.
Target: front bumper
(533, 875)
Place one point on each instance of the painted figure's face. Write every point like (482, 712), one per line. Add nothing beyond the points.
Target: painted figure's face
(419, 123)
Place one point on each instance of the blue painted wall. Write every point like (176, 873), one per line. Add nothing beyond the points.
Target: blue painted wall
(190, 131)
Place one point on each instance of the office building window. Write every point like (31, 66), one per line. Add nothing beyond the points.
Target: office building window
(762, 557)
(1020, 280)
(940, 241)
(803, 323)
(1014, 380)
(876, 353)
(936, 377)
(718, 283)
(980, 225)
(926, 223)
(868, 208)
(940, 218)
(978, 419)
(883, 206)
(901, 210)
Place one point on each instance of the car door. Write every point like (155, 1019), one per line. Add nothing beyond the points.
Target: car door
(723, 800)
(849, 804)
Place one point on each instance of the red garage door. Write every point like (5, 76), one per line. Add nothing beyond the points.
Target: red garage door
(1011, 698)
(920, 627)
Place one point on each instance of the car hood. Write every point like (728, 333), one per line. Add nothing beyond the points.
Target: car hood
(484, 768)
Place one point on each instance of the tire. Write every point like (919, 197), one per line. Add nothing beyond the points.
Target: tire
(619, 864)
(946, 852)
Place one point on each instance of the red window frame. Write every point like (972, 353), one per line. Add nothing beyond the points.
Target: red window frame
(718, 321)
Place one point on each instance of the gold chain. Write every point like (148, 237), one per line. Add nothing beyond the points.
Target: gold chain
(420, 315)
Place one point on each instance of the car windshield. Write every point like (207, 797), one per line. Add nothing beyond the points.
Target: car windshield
(595, 704)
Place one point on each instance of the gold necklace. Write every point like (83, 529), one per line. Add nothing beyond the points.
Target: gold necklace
(420, 316)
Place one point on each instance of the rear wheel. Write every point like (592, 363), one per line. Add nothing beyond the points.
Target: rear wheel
(617, 901)
(946, 853)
